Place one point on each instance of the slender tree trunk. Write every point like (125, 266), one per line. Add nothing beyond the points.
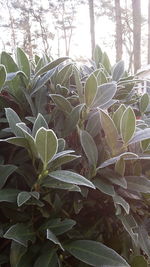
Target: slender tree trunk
(13, 35)
(92, 25)
(148, 32)
(136, 7)
(119, 40)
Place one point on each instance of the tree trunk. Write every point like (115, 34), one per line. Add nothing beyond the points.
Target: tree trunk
(136, 7)
(92, 25)
(148, 61)
(118, 40)
(13, 35)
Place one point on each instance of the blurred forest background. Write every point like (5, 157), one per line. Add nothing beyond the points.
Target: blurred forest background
(73, 27)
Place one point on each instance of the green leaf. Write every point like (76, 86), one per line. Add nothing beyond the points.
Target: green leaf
(139, 261)
(144, 240)
(71, 177)
(23, 62)
(118, 71)
(64, 74)
(8, 195)
(126, 155)
(51, 236)
(47, 259)
(63, 160)
(50, 66)
(53, 183)
(93, 124)
(18, 141)
(130, 225)
(128, 125)
(144, 102)
(31, 144)
(106, 62)
(121, 181)
(61, 102)
(95, 254)
(42, 80)
(61, 144)
(90, 89)
(101, 78)
(110, 131)
(13, 119)
(39, 122)
(104, 94)
(120, 166)
(2, 76)
(46, 144)
(140, 136)
(78, 84)
(23, 197)
(73, 119)
(138, 183)
(21, 233)
(89, 147)
(103, 186)
(16, 253)
(121, 201)
(118, 115)
(8, 62)
(97, 55)
(58, 226)
(5, 172)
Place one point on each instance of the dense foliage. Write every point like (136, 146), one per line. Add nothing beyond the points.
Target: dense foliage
(74, 164)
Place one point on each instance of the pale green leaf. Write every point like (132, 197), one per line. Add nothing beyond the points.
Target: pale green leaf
(50, 66)
(23, 62)
(47, 259)
(61, 102)
(5, 172)
(13, 119)
(138, 183)
(121, 201)
(110, 131)
(120, 166)
(30, 140)
(58, 226)
(23, 197)
(130, 225)
(103, 186)
(57, 184)
(104, 94)
(90, 89)
(2, 76)
(51, 236)
(16, 253)
(39, 122)
(46, 144)
(95, 254)
(144, 102)
(71, 177)
(97, 55)
(79, 85)
(118, 71)
(9, 195)
(118, 115)
(126, 156)
(89, 147)
(140, 136)
(21, 233)
(128, 125)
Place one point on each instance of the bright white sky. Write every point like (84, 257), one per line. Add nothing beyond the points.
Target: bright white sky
(105, 30)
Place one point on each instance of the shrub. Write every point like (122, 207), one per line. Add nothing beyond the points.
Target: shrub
(74, 187)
